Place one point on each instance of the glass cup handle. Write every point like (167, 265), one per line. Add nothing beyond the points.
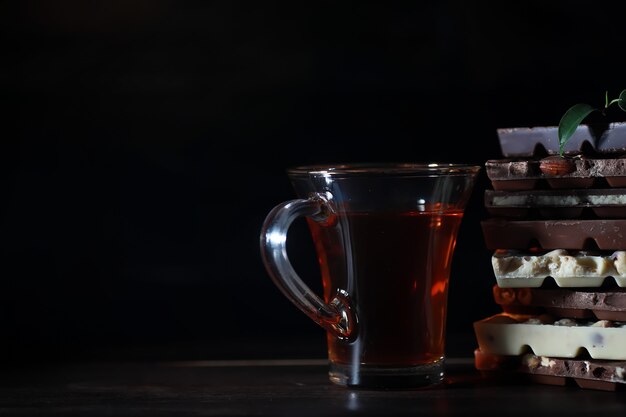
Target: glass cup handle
(336, 317)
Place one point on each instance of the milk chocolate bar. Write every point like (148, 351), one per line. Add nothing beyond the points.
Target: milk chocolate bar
(607, 234)
(511, 175)
(562, 204)
(505, 334)
(527, 142)
(561, 303)
(586, 373)
(515, 269)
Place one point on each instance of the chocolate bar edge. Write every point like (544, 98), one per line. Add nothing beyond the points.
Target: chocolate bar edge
(586, 373)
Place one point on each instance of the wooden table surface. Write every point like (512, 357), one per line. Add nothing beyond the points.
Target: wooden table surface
(274, 388)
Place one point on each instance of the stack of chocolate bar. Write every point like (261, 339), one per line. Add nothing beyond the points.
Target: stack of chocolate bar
(557, 227)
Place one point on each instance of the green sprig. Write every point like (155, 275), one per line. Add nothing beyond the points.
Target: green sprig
(575, 115)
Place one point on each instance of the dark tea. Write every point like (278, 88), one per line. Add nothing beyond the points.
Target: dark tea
(395, 267)
(385, 237)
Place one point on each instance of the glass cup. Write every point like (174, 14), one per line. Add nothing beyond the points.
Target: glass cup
(384, 235)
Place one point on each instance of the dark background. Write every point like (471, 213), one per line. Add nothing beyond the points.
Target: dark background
(143, 143)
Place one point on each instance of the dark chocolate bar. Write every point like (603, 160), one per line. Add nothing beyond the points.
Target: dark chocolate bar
(602, 305)
(512, 175)
(586, 373)
(557, 204)
(554, 234)
(527, 142)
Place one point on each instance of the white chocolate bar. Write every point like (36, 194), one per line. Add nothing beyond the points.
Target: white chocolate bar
(504, 334)
(534, 199)
(580, 269)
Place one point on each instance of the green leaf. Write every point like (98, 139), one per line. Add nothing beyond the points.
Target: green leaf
(622, 100)
(570, 121)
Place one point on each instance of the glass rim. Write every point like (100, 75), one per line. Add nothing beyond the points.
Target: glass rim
(385, 168)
